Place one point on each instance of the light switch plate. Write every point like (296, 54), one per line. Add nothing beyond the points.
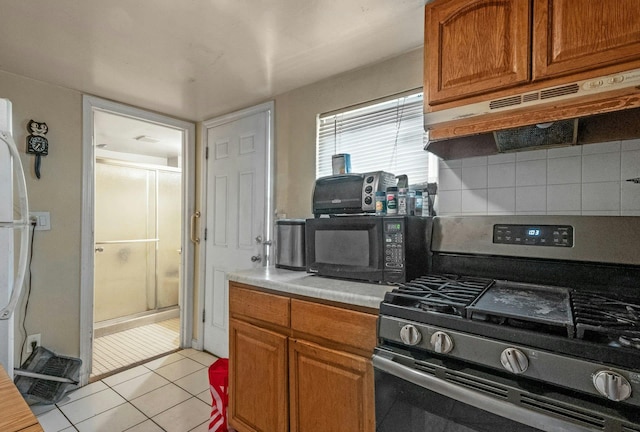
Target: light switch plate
(43, 220)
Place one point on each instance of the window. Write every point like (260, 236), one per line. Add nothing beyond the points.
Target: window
(383, 136)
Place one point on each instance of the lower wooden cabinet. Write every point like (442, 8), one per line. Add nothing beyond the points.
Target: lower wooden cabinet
(312, 375)
(257, 378)
(330, 390)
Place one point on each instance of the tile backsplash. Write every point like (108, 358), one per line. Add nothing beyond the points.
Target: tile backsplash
(579, 180)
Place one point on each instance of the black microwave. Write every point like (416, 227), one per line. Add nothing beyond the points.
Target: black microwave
(369, 248)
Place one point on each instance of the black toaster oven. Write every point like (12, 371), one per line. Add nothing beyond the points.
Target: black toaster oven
(350, 193)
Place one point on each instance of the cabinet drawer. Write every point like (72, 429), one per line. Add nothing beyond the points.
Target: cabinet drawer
(257, 305)
(347, 327)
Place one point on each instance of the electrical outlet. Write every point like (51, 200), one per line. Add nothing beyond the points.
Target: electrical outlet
(42, 220)
(30, 339)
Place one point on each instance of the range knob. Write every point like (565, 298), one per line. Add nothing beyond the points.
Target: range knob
(612, 385)
(514, 360)
(410, 335)
(441, 342)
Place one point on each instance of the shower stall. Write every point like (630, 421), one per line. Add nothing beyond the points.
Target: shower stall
(137, 243)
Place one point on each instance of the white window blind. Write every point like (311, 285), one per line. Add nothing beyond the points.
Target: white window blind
(386, 136)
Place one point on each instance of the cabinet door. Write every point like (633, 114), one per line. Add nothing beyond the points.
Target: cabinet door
(257, 379)
(330, 391)
(578, 35)
(474, 47)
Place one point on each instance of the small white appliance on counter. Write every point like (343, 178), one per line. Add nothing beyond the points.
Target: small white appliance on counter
(10, 283)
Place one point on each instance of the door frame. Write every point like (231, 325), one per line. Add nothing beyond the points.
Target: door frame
(89, 105)
(269, 211)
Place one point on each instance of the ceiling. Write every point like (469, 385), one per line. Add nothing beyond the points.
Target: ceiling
(120, 137)
(195, 59)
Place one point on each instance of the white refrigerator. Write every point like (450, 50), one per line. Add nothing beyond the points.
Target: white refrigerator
(14, 217)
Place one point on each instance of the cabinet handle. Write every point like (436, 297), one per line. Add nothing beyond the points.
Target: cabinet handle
(194, 216)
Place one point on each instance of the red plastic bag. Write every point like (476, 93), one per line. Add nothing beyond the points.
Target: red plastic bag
(219, 386)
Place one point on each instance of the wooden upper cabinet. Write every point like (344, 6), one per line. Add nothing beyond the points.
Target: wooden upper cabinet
(474, 47)
(579, 35)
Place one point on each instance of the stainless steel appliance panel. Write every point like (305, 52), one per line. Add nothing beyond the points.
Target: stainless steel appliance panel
(290, 246)
(595, 238)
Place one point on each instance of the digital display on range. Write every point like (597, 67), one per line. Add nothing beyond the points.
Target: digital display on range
(528, 235)
(533, 232)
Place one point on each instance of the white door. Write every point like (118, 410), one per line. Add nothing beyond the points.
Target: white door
(237, 212)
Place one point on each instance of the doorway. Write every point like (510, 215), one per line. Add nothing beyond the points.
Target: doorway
(238, 174)
(137, 258)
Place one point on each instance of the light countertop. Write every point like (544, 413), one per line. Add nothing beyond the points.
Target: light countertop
(308, 285)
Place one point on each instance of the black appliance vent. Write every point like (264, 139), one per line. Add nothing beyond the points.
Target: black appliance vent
(544, 405)
(555, 409)
(490, 388)
(425, 367)
(558, 133)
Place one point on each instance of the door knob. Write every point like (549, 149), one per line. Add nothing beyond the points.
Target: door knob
(256, 258)
(99, 249)
(266, 242)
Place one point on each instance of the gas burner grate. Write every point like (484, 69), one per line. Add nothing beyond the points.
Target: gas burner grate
(606, 317)
(448, 294)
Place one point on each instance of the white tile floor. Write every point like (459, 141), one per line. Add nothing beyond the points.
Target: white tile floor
(168, 394)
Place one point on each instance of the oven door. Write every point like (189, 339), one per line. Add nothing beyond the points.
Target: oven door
(411, 396)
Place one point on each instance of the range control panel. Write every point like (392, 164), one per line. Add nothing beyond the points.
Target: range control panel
(534, 235)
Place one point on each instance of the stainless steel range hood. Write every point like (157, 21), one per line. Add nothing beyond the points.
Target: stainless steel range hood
(546, 126)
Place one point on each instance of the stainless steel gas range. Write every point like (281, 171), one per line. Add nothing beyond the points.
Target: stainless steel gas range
(525, 323)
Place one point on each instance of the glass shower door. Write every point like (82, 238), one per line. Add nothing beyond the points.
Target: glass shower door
(131, 260)
(169, 249)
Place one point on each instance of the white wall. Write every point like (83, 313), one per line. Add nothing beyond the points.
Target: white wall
(54, 305)
(580, 180)
(296, 113)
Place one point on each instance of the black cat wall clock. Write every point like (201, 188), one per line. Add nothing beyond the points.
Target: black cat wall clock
(37, 144)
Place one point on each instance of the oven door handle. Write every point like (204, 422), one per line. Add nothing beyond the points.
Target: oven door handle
(386, 363)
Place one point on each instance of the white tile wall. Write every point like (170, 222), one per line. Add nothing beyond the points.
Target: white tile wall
(501, 200)
(531, 173)
(589, 180)
(502, 175)
(474, 177)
